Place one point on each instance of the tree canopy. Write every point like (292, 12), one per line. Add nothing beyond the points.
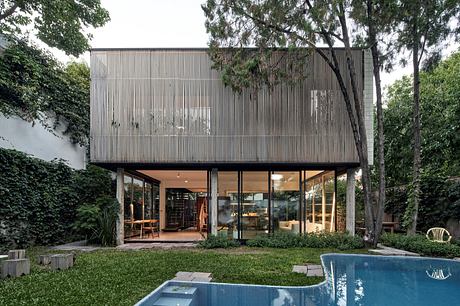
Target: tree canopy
(59, 24)
(36, 87)
(440, 129)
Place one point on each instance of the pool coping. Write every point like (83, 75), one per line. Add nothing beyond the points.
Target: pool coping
(326, 277)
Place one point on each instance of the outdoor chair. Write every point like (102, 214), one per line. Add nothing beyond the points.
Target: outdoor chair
(437, 234)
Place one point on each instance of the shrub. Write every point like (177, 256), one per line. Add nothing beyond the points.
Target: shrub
(214, 242)
(421, 245)
(97, 221)
(340, 241)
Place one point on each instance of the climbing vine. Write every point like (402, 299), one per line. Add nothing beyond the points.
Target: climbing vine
(36, 87)
(39, 199)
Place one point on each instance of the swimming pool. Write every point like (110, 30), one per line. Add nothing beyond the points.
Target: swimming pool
(350, 280)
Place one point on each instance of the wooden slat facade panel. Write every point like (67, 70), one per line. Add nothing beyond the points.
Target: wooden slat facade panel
(166, 106)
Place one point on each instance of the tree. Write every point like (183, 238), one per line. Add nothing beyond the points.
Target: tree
(440, 128)
(422, 26)
(298, 26)
(376, 19)
(37, 88)
(59, 24)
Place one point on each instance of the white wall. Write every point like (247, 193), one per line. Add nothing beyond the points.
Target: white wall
(36, 140)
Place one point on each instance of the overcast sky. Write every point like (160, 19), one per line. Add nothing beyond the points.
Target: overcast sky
(161, 23)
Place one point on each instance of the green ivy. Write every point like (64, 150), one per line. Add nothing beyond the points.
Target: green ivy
(37, 88)
(39, 199)
(439, 202)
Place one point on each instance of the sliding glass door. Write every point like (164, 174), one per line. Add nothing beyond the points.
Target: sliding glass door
(254, 204)
(285, 201)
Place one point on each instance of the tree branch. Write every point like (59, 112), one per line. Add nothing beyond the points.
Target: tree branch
(8, 12)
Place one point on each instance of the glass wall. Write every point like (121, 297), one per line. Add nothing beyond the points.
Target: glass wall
(140, 204)
(227, 204)
(320, 201)
(254, 204)
(285, 201)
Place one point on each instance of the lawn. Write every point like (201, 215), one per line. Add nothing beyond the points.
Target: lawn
(112, 277)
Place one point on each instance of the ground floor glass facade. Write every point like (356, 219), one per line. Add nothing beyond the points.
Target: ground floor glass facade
(251, 203)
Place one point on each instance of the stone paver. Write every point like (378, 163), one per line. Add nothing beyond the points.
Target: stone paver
(300, 269)
(193, 276)
(384, 250)
(309, 270)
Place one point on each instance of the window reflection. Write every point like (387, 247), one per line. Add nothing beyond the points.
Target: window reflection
(227, 210)
(286, 201)
(320, 201)
(254, 204)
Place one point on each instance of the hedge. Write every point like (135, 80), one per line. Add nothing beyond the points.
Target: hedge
(39, 199)
(421, 245)
(340, 241)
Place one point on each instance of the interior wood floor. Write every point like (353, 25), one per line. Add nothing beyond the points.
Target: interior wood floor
(181, 236)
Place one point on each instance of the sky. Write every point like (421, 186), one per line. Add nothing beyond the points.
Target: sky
(163, 23)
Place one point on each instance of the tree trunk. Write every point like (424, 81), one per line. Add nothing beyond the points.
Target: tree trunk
(380, 130)
(417, 137)
(361, 143)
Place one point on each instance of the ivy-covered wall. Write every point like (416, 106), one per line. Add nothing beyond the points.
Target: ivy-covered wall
(38, 199)
(439, 202)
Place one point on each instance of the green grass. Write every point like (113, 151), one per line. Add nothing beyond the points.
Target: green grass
(112, 277)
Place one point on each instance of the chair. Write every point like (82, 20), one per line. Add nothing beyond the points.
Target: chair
(152, 227)
(438, 234)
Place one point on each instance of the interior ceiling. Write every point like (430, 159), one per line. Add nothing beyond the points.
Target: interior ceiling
(197, 180)
(176, 176)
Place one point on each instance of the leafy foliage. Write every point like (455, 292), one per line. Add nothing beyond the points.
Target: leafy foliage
(214, 242)
(284, 240)
(420, 244)
(40, 199)
(439, 201)
(34, 86)
(60, 24)
(440, 111)
(97, 221)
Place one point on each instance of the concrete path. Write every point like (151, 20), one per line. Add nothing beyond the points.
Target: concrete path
(161, 246)
(309, 270)
(193, 276)
(76, 246)
(384, 250)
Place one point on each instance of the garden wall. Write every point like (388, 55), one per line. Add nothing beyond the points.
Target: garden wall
(38, 199)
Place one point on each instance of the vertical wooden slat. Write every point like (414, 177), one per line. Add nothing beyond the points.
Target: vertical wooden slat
(171, 106)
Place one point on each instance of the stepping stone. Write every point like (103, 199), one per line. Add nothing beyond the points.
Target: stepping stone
(315, 270)
(309, 270)
(15, 267)
(183, 276)
(17, 254)
(61, 261)
(193, 276)
(300, 269)
(44, 260)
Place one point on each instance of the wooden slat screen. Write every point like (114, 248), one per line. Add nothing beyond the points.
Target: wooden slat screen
(154, 106)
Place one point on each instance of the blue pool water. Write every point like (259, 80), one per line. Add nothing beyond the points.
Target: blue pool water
(350, 280)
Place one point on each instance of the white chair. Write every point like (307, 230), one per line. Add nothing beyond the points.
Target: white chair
(437, 234)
